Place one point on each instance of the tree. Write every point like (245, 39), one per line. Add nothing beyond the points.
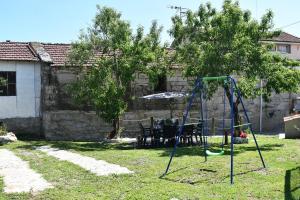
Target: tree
(3, 81)
(116, 55)
(228, 42)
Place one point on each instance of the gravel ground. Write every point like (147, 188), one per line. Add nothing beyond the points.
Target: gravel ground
(17, 176)
(98, 167)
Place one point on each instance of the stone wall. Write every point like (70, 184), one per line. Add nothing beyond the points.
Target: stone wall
(141, 87)
(55, 88)
(49, 89)
(29, 125)
(74, 125)
(275, 111)
(57, 102)
(56, 96)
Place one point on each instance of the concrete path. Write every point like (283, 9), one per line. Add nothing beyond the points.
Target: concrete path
(17, 176)
(98, 167)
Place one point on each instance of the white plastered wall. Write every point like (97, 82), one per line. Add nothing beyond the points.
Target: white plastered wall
(295, 51)
(27, 101)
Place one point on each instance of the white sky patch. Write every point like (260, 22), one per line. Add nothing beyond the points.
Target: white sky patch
(98, 167)
(17, 176)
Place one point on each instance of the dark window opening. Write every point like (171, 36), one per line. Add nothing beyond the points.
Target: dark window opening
(161, 85)
(8, 84)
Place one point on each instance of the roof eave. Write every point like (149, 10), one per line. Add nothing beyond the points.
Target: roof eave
(281, 41)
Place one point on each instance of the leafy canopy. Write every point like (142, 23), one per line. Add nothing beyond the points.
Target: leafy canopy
(116, 54)
(229, 42)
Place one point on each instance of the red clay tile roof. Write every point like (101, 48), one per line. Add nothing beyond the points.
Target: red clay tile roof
(17, 51)
(58, 53)
(285, 37)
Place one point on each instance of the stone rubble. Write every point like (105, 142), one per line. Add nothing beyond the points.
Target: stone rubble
(9, 137)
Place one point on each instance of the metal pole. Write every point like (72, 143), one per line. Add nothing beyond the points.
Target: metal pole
(180, 10)
(231, 130)
(224, 115)
(182, 125)
(204, 128)
(250, 126)
(261, 107)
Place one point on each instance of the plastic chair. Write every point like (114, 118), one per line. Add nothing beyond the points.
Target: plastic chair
(145, 133)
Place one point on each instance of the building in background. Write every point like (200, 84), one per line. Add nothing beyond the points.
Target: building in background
(287, 45)
(35, 98)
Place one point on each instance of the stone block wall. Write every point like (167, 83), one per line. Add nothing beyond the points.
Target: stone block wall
(276, 110)
(74, 125)
(30, 125)
(57, 104)
(55, 88)
(141, 87)
(177, 83)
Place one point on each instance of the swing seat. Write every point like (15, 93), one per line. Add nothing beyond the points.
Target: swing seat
(209, 153)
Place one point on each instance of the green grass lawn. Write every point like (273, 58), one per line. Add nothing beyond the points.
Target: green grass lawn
(189, 178)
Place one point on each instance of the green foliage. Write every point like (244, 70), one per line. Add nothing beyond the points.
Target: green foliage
(104, 86)
(3, 81)
(228, 42)
(3, 129)
(99, 88)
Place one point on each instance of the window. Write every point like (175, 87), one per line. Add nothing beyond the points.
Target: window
(161, 85)
(284, 48)
(8, 88)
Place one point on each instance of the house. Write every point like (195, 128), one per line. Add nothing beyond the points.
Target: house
(20, 97)
(286, 44)
(35, 98)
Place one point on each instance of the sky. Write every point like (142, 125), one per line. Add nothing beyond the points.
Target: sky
(60, 21)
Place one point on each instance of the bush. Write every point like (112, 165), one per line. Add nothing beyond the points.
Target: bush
(3, 129)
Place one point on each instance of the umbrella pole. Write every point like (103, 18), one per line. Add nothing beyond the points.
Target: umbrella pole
(171, 108)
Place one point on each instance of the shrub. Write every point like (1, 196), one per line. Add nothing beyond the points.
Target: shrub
(3, 129)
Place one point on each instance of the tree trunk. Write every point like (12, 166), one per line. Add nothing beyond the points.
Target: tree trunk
(237, 118)
(115, 75)
(116, 128)
(236, 115)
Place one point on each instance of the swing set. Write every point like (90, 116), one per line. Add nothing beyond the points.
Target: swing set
(201, 89)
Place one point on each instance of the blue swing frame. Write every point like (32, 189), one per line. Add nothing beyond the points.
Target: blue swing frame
(233, 88)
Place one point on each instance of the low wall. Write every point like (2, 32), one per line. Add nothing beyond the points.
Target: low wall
(25, 126)
(86, 126)
(74, 125)
(292, 126)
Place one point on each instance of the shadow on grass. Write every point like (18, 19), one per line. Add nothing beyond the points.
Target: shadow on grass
(79, 146)
(246, 172)
(292, 184)
(204, 180)
(198, 151)
(187, 180)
